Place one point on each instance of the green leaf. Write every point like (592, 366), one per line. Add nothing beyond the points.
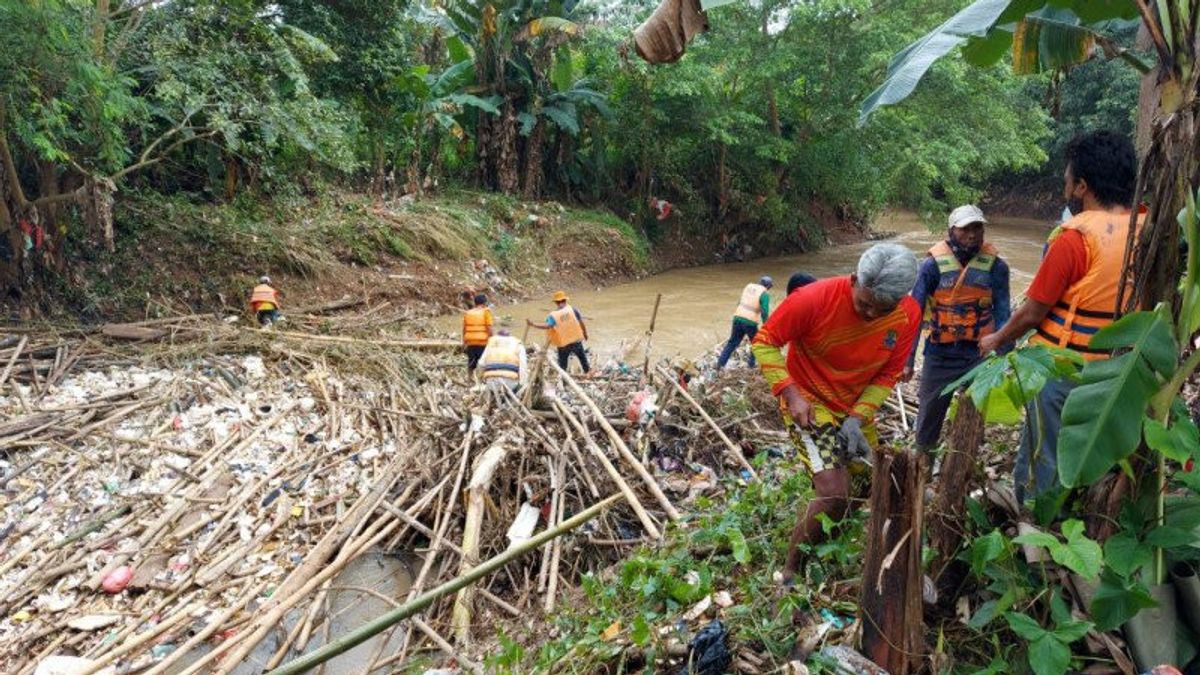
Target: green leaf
(1042, 539)
(1170, 537)
(1081, 555)
(1125, 555)
(706, 5)
(565, 118)
(1000, 409)
(737, 541)
(985, 549)
(1025, 626)
(910, 65)
(1101, 418)
(1048, 656)
(987, 51)
(1177, 442)
(640, 631)
(984, 615)
(1071, 631)
(1117, 600)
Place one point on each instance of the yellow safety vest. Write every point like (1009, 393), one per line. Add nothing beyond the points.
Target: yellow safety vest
(749, 307)
(502, 359)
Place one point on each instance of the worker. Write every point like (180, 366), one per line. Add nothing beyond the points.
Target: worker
(847, 341)
(1074, 293)
(476, 330)
(799, 280)
(963, 287)
(567, 332)
(264, 302)
(504, 361)
(753, 308)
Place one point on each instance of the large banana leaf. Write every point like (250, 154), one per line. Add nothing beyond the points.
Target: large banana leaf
(1041, 35)
(910, 65)
(1101, 421)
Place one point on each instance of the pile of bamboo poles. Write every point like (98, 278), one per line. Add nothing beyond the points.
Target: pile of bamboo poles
(237, 487)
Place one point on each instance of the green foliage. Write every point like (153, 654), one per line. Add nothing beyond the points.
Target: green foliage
(1002, 385)
(1096, 433)
(1078, 554)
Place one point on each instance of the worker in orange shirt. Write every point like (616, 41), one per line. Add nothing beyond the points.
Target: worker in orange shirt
(848, 340)
(476, 330)
(1074, 293)
(264, 302)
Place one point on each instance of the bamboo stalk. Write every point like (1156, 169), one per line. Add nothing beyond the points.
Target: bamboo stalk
(378, 625)
(733, 448)
(623, 449)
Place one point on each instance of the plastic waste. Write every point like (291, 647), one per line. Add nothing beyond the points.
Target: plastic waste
(708, 651)
(116, 581)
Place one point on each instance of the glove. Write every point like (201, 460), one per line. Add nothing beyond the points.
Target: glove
(854, 441)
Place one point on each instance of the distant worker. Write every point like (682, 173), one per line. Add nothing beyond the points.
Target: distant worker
(264, 302)
(1074, 293)
(799, 280)
(476, 330)
(848, 339)
(754, 307)
(567, 332)
(963, 287)
(504, 361)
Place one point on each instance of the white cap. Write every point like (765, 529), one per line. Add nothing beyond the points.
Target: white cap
(965, 215)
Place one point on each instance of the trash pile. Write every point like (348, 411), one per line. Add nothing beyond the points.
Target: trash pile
(188, 506)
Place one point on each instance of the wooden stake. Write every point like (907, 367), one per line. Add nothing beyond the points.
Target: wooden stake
(949, 507)
(733, 448)
(891, 604)
(649, 337)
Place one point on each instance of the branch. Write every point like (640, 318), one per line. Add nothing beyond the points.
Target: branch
(145, 162)
(10, 168)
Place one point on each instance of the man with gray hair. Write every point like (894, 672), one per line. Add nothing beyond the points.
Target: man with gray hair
(848, 340)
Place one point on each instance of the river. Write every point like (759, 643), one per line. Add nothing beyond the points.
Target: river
(697, 303)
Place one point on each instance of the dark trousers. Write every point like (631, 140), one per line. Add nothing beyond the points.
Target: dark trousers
(939, 370)
(473, 354)
(1038, 452)
(267, 316)
(576, 348)
(740, 331)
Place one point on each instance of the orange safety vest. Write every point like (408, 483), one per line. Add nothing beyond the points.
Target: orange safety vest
(263, 293)
(748, 306)
(960, 309)
(502, 359)
(1090, 303)
(566, 329)
(475, 326)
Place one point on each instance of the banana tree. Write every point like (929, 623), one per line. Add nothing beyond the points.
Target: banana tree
(503, 36)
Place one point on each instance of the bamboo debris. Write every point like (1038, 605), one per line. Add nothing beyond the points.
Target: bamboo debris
(221, 462)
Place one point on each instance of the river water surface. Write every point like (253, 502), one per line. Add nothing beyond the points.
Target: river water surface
(698, 302)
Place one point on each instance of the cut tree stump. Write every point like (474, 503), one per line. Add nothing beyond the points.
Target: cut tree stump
(948, 511)
(891, 608)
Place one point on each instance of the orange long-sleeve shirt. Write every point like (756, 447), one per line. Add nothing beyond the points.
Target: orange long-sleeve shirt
(836, 359)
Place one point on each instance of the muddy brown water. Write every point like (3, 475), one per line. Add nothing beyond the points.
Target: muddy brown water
(698, 302)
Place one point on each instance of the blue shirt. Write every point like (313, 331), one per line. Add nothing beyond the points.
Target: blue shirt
(927, 282)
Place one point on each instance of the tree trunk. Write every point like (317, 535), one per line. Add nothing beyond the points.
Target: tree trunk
(231, 177)
(507, 159)
(722, 182)
(533, 160)
(948, 511)
(379, 180)
(891, 602)
(99, 28)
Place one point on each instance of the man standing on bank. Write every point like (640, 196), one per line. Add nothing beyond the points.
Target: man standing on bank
(963, 287)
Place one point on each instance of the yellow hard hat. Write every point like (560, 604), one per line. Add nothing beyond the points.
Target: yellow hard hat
(560, 296)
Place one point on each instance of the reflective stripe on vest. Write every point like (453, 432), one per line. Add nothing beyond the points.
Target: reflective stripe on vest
(475, 327)
(749, 306)
(960, 308)
(502, 358)
(1090, 303)
(566, 329)
(264, 293)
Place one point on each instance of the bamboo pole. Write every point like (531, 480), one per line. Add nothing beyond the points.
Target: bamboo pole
(652, 484)
(378, 625)
(649, 337)
(733, 448)
(626, 491)
(477, 489)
